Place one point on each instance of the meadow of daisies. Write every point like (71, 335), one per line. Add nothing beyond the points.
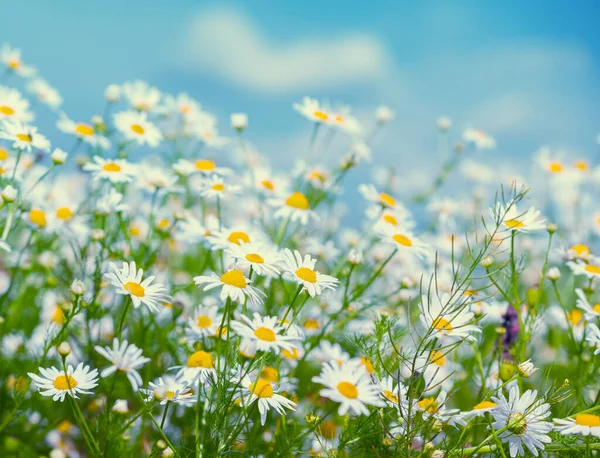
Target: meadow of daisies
(165, 292)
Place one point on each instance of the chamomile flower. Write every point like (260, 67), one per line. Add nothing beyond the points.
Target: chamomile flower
(24, 137)
(514, 220)
(590, 312)
(302, 271)
(200, 367)
(84, 131)
(45, 93)
(261, 258)
(13, 106)
(351, 386)
(128, 281)
(401, 239)
(479, 138)
(312, 110)
(114, 170)
(479, 410)
(294, 207)
(437, 408)
(393, 392)
(205, 322)
(265, 332)
(583, 424)
(233, 286)
(447, 319)
(523, 418)
(170, 389)
(591, 270)
(141, 96)
(594, 337)
(58, 383)
(382, 199)
(11, 58)
(135, 127)
(125, 358)
(215, 187)
(262, 392)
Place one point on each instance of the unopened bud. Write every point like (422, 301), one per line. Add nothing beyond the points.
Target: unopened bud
(239, 121)
(161, 444)
(78, 288)
(97, 234)
(112, 93)
(553, 274)
(64, 349)
(384, 114)
(9, 194)
(59, 156)
(551, 228)
(527, 369)
(120, 406)
(487, 262)
(355, 256)
(508, 369)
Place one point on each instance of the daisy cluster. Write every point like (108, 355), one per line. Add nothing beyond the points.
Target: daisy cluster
(164, 291)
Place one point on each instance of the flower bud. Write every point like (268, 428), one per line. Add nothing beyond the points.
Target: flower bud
(161, 444)
(120, 406)
(527, 369)
(59, 156)
(508, 369)
(444, 123)
(97, 234)
(553, 274)
(487, 262)
(551, 228)
(112, 93)
(384, 114)
(64, 349)
(9, 194)
(355, 256)
(239, 121)
(78, 288)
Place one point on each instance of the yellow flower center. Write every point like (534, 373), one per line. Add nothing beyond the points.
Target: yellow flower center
(297, 200)
(261, 388)
(64, 382)
(135, 231)
(169, 394)
(84, 129)
(597, 308)
(390, 396)
(24, 137)
(204, 321)
(7, 111)
(438, 358)
(580, 249)
(592, 269)
(135, 288)
(516, 423)
(484, 405)
(255, 258)
(513, 224)
(442, 324)
(14, 64)
(201, 359)
(64, 213)
(238, 237)
(386, 199)
(368, 365)
(348, 389)
(265, 334)
(163, 224)
(306, 274)
(38, 217)
(218, 187)
(290, 354)
(311, 323)
(328, 429)
(268, 184)
(270, 374)
(58, 316)
(111, 167)
(429, 405)
(321, 115)
(205, 165)
(234, 278)
(3, 154)
(581, 165)
(555, 167)
(64, 426)
(402, 240)
(575, 317)
(390, 219)
(586, 419)
(137, 129)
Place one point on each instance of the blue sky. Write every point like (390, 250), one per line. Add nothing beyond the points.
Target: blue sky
(526, 72)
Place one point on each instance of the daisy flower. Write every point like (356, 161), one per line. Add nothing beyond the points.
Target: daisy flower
(24, 137)
(141, 95)
(383, 199)
(312, 110)
(182, 105)
(234, 286)
(437, 408)
(114, 170)
(215, 186)
(590, 312)
(128, 281)
(479, 410)
(200, 367)
(135, 127)
(594, 337)
(296, 207)
(447, 320)
(170, 389)
(11, 58)
(205, 322)
(403, 240)
(394, 394)
(262, 392)
(265, 332)
(523, 416)
(591, 270)
(584, 424)
(227, 237)
(45, 93)
(13, 107)
(261, 258)
(203, 166)
(302, 272)
(58, 383)
(511, 219)
(83, 131)
(479, 138)
(125, 358)
(351, 386)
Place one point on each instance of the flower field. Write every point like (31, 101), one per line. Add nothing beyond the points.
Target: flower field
(164, 291)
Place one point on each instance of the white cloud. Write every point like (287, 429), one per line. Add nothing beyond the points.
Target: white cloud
(227, 44)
